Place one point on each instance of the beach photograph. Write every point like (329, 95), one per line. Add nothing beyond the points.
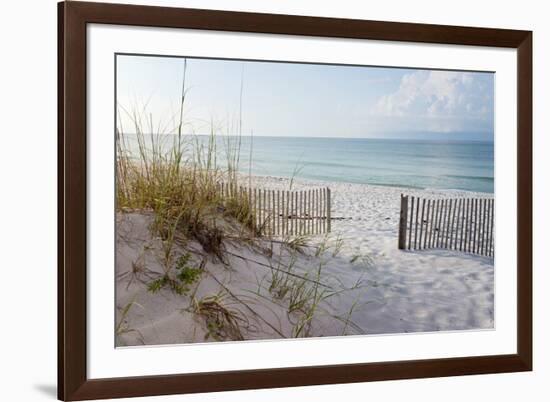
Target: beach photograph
(270, 200)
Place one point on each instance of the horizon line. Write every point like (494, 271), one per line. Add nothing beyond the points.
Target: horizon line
(329, 137)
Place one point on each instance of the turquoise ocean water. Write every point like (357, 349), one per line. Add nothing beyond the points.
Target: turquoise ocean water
(461, 165)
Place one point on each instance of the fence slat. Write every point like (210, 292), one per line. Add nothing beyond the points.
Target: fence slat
(273, 212)
(454, 227)
(434, 224)
(421, 223)
(402, 235)
(293, 203)
(315, 214)
(293, 213)
(325, 210)
(416, 222)
(287, 213)
(461, 214)
(261, 209)
(487, 244)
(270, 209)
(462, 224)
(297, 214)
(411, 221)
(468, 225)
(290, 203)
(476, 226)
(301, 212)
(249, 194)
(312, 211)
(440, 223)
(449, 224)
(304, 212)
(483, 231)
(324, 192)
(470, 220)
(461, 220)
(256, 211)
(267, 211)
(430, 221)
(485, 223)
(448, 239)
(486, 227)
(329, 215)
(479, 231)
(307, 215)
(443, 223)
(492, 247)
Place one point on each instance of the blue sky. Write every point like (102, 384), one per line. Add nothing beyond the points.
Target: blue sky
(289, 99)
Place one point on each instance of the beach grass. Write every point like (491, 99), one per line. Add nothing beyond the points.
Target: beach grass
(177, 177)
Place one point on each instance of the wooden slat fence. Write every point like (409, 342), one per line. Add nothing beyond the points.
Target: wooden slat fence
(285, 212)
(464, 224)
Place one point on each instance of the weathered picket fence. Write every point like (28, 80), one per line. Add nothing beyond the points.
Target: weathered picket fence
(285, 212)
(464, 224)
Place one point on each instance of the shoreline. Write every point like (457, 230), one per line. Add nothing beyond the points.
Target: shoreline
(282, 182)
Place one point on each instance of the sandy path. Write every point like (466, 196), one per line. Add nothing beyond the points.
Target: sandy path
(408, 291)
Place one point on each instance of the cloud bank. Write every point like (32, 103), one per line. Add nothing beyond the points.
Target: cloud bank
(441, 101)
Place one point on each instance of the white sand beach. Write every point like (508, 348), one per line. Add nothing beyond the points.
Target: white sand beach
(371, 287)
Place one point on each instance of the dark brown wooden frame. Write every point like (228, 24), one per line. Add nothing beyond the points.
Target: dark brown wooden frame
(73, 383)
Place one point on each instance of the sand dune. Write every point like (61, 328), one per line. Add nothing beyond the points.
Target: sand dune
(375, 288)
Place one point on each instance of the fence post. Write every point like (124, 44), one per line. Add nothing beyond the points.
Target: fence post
(328, 210)
(402, 242)
(403, 222)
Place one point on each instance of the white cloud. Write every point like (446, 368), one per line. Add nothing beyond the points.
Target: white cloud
(441, 101)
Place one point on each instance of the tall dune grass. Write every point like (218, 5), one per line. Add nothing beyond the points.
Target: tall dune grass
(177, 175)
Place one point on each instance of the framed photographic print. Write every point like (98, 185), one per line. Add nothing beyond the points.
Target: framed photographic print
(253, 200)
